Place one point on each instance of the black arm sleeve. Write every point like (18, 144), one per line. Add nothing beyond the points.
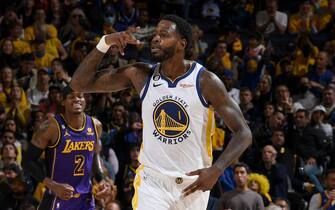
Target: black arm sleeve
(97, 168)
(32, 164)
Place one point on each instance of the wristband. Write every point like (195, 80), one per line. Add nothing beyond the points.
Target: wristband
(102, 46)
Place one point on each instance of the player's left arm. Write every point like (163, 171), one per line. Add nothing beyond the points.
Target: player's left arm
(215, 93)
(103, 186)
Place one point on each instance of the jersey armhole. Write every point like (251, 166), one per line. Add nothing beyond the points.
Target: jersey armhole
(95, 130)
(59, 134)
(198, 86)
(147, 83)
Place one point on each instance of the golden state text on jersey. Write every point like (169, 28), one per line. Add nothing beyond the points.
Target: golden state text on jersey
(171, 120)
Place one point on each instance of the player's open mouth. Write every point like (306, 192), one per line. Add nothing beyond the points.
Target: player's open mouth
(155, 49)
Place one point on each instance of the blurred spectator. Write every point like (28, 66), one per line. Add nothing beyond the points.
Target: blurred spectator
(18, 107)
(233, 40)
(9, 155)
(242, 197)
(304, 55)
(286, 77)
(220, 59)
(43, 58)
(199, 46)
(284, 101)
(248, 109)
(306, 141)
(80, 50)
(39, 22)
(328, 101)
(126, 188)
(8, 137)
(274, 171)
(283, 203)
(324, 16)
(26, 12)
(52, 104)
(60, 76)
(302, 22)
(260, 184)
(228, 80)
(67, 32)
(7, 19)
(55, 16)
(305, 96)
(21, 46)
(255, 48)
(262, 132)
(319, 74)
(284, 156)
(263, 91)
(318, 121)
(83, 34)
(113, 205)
(271, 20)
(127, 16)
(6, 84)
(41, 90)
(325, 200)
(8, 56)
(27, 74)
(250, 73)
(211, 10)
(15, 189)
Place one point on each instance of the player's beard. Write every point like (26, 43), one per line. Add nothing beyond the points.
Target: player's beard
(166, 54)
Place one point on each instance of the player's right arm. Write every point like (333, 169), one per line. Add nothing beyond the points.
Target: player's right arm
(47, 134)
(87, 79)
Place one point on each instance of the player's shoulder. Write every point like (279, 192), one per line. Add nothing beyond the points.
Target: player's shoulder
(96, 121)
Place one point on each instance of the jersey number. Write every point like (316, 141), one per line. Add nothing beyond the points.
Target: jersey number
(79, 161)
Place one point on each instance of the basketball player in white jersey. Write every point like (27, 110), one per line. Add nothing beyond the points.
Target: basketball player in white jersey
(178, 102)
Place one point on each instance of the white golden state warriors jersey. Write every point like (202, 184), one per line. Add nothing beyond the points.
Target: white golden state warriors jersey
(178, 123)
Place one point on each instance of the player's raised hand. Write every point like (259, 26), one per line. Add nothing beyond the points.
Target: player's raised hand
(207, 177)
(63, 191)
(122, 39)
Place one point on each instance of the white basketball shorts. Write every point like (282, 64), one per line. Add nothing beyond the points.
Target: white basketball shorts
(156, 191)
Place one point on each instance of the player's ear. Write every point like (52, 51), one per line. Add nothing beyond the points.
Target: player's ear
(182, 44)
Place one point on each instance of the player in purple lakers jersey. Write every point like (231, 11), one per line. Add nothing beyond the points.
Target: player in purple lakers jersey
(70, 142)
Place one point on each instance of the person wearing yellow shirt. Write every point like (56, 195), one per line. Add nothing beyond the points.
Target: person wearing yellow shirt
(18, 107)
(43, 59)
(324, 17)
(6, 84)
(219, 60)
(55, 48)
(40, 21)
(303, 20)
(20, 46)
(305, 55)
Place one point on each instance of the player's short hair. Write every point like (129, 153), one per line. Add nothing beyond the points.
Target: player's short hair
(66, 91)
(183, 28)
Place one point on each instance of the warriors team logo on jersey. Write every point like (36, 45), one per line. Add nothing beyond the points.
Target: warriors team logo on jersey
(171, 122)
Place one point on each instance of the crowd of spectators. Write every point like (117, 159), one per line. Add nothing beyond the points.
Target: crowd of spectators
(276, 59)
